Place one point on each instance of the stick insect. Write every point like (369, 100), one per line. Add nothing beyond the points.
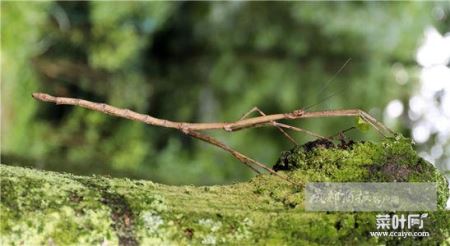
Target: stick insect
(195, 130)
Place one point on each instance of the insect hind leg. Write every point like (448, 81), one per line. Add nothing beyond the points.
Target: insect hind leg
(273, 123)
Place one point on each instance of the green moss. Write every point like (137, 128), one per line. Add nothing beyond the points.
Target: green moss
(42, 207)
(47, 207)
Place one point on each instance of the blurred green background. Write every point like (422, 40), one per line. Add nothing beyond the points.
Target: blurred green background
(200, 62)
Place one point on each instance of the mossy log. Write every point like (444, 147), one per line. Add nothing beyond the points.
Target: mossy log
(47, 208)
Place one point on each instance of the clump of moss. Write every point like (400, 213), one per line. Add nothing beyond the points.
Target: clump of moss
(392, 160)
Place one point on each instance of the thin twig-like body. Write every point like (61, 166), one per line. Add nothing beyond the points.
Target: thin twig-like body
(192, 129)
(228, 126)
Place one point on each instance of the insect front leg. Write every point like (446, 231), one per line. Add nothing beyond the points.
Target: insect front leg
(380, 127)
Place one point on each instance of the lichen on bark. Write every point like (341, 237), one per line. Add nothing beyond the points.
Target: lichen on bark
(42, 207)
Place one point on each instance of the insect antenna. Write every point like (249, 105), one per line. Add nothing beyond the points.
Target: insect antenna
(323, 100)
(326, 86)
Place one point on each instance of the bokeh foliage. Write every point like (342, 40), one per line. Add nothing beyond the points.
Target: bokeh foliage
(202, 61)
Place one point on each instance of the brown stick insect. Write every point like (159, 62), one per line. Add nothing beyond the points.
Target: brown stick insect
(195, 129)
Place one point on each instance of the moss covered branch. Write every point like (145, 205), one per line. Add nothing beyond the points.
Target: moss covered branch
(52, 208)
